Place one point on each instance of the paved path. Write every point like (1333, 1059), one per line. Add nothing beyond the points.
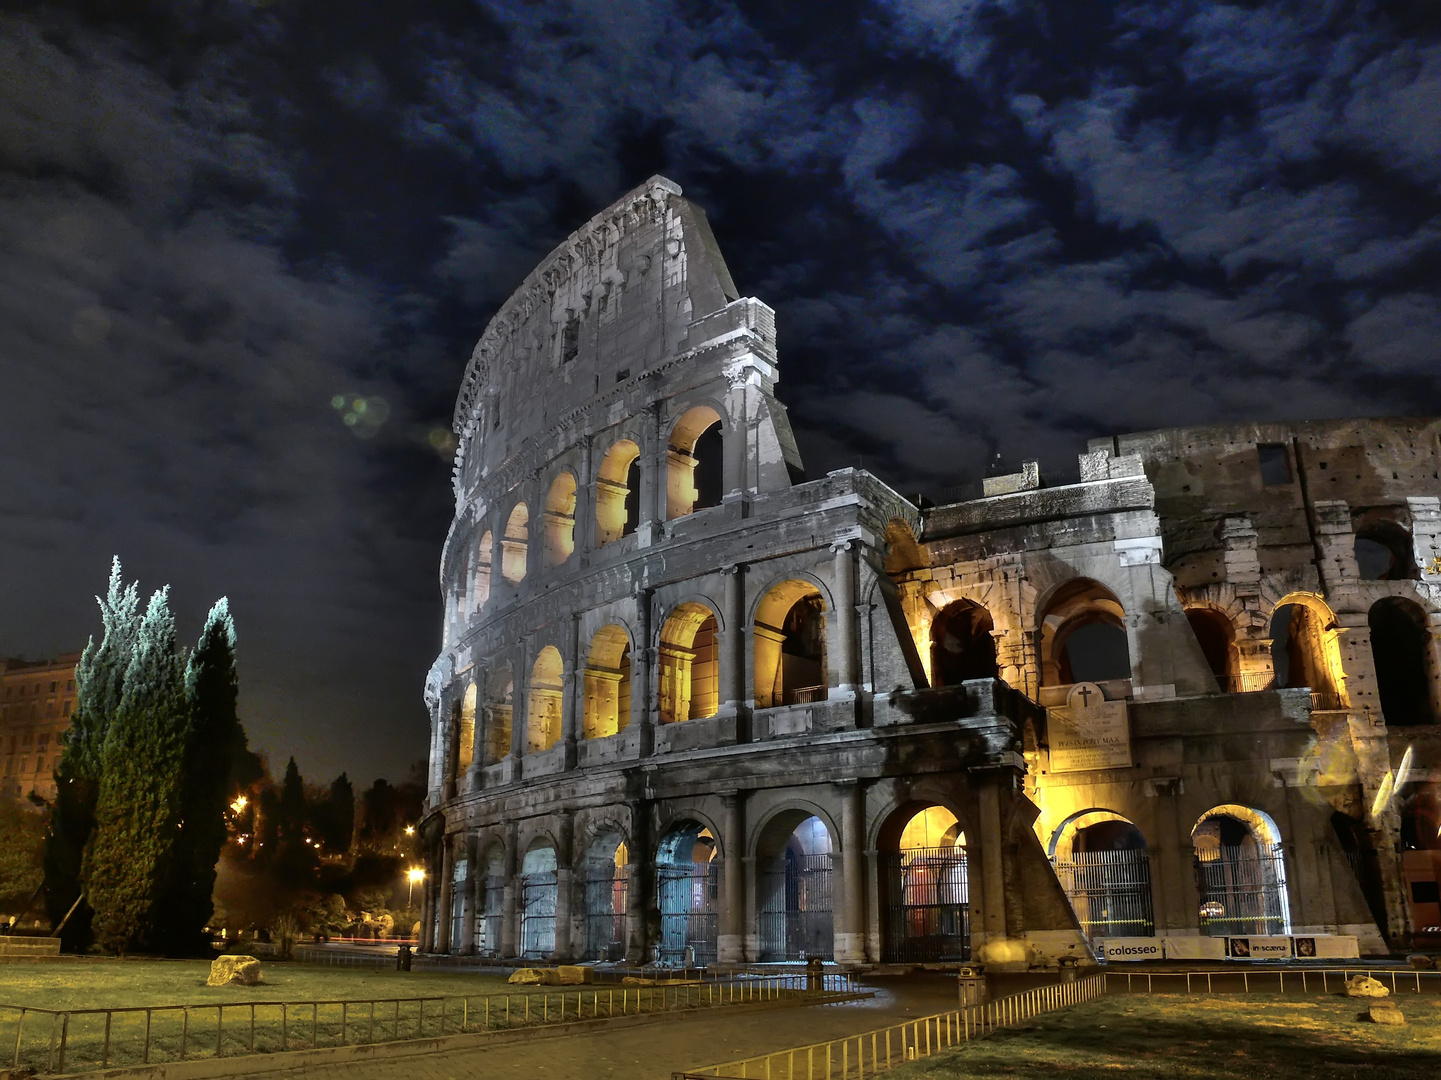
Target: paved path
(653, 1051)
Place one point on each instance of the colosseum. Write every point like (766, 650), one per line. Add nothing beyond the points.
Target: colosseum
(693, 707)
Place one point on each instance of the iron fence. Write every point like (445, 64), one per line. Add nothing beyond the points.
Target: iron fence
(1110, 892)
(796, 917)
(688, 894)
(1243, 891)
(1261, 980)
(928, 916)
(77, 1040)
(537, 914)
(875, 1051)
(606, 895)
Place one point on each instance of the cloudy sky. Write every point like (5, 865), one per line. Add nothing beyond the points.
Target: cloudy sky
(984, 226)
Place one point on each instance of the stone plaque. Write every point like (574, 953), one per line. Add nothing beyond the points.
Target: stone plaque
(1089, 732)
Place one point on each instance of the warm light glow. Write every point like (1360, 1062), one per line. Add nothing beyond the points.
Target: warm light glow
(415, 875)
(240, 803)
(410, 830)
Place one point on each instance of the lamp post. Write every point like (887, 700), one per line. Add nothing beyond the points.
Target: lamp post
(414, 874)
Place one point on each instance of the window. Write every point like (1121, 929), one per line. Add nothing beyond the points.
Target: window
(570, 340)
(1275, 463)
(53, 687)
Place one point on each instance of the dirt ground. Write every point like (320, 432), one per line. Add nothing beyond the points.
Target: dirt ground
(653, 1051)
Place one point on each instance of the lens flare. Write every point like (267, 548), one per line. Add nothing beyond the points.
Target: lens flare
(1404, 772)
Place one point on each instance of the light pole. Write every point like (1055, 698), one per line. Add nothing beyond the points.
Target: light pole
(414, 874)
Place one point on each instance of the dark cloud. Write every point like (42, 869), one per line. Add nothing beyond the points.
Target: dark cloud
(245, 251)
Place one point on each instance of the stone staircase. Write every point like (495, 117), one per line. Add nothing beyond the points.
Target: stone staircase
(28, 950)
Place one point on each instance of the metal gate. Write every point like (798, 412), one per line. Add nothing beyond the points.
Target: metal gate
(459, 904)
(796, 920)
(1243, 891)
(687, 894)
(537, 914)
(928, 914)
(606, 891)
(1110, 892)
(487, 923)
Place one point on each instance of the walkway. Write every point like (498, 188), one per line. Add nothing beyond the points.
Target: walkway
(653, 1051)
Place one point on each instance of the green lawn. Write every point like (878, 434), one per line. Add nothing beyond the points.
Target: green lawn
(128, 983)
(1231, 1037)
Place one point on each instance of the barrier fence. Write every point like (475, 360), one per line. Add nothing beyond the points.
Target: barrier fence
(76, 1040)
(1298, 980)
(872, 1052)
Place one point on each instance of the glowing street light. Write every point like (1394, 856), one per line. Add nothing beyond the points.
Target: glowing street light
(414, 874)
(410, 830)
(240, 803)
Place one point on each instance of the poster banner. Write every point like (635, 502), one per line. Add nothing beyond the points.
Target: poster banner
(1326, 947)
(1133, 948)
(1195, 948)
(1258, 948)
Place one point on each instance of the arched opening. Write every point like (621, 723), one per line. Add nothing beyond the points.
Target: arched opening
(490, 898)
(537, 901)
(462, 587)
(1217, 638)
(796, 920)
(904, 552)
(617, 493)
(607, 683)
(606, 876)
(547, 684)
(1304, 651)
(560, 519)
(499, 707)
(465, 748)
(694, 463)
(687, 887)
(513, 544)
(924, 886)
(1103, 865)
(483, 555)
(689, 665)
(459, 901)
(1384, 552)
(790, 645)
(1240, 873)
(1083, 636)
(963, 645)
(1401, 650)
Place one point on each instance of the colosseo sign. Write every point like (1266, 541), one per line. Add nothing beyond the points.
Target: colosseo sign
(1196, 947)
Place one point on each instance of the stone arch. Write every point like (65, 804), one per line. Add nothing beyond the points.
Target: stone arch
(490, 865)
(689, 663)
(499, 711)
(538, 894)
(484, 553)
(789, 631)
(904, 552)
(607, 683)
(1216, 634)
(1305, 651)
(560, 518)
(963, 644)
(794, 886)
(924, 883)
(1384, 551)
(1405, 662)
(1240, 872)
(515, 544)
(544, 700)
(694, 462)
(1102, 861)
(1083, 634)
(617, 492)
(465, 750)
(604, 893)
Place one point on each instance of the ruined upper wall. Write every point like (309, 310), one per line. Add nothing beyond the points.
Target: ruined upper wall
(615, 300)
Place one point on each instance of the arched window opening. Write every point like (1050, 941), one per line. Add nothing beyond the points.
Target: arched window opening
(465, 734)
(617, 493)
(687, 889)
(606, 886)
(483, 555)
(1083, 636)
(537, 902)
(694, 463)
(689, 665)
(963, 645)
(925, 887)
(499, 707)
(560, 519)
(1401, 649)
(1240, 873)
(459, 902)
(1217, 638)
(790, 645)
(490, 900)
(1304, 652)
(607, 683)
(796, 920)
(514, 544)
(547, 684)
(1103, 865)
(1384, 552)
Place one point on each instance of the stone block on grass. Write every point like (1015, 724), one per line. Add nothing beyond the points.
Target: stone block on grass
(530, 976)
(573, 975)
(1386, 1013)
(1363, 986)
(234, 971)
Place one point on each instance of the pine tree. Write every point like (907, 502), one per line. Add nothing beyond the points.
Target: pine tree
(338, 819)
(138, 809)
(100, 681)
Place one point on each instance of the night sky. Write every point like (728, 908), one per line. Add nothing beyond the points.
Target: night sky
(984, 227)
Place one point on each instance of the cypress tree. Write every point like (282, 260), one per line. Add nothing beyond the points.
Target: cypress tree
(340, 816)
(138, 808)
(100, 682)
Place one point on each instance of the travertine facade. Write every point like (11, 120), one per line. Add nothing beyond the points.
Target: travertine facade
(691, 705)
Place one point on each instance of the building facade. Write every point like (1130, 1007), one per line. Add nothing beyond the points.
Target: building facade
(691, 706)
(37, 700)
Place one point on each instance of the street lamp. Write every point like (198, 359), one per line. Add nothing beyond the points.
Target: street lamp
(414, 874)
(410, 830)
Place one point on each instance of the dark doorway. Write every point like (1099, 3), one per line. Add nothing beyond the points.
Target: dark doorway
(962, 645)
(1399, 647)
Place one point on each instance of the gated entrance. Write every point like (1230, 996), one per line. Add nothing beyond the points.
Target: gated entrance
(1240, 873)
(537, 903)
(926, 891)
(604, 886)
(687, 893)
(490, 902)
(796, 921)
(1110, 892)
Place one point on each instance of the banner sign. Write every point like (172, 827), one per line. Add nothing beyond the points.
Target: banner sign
(1133, 948)
(1088, 732)
(1258, 948)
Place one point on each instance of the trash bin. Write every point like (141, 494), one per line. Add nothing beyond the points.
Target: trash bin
(402, 958)
(971, 982)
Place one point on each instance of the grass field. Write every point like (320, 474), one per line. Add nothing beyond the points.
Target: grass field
(1255, 1037)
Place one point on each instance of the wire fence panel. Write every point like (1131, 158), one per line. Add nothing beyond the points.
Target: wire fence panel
(796, 919)
(928, 915)
(1110, 892)
(606, 891)
(1243, 891)
(688, 895)
(537, 914)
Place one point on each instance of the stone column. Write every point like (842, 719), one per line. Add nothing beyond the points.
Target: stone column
(642, 681)
(993, 888)
(845, 635)
(585, 505)
(572, 697)
(733, 642)
(731, 943)
(427, 907)
(651, 508)
(447, 870)
(737, 449)
(638, 891)
(564, 880)
(850, 943)
(509, 909)
(472, 852)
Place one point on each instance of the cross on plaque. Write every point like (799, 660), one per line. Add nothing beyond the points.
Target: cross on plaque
(1085, 693)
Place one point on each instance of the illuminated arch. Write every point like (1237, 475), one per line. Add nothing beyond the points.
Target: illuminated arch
(499, 706)
(790, 645)
(547, 685)
(617, 492)
(484, 552)
(689, 664)
(1083, 635)
(694, 462)
(607, 683)
(514, 544)
(560, 519)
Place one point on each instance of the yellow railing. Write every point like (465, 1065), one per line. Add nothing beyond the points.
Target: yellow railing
(871, 1052)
